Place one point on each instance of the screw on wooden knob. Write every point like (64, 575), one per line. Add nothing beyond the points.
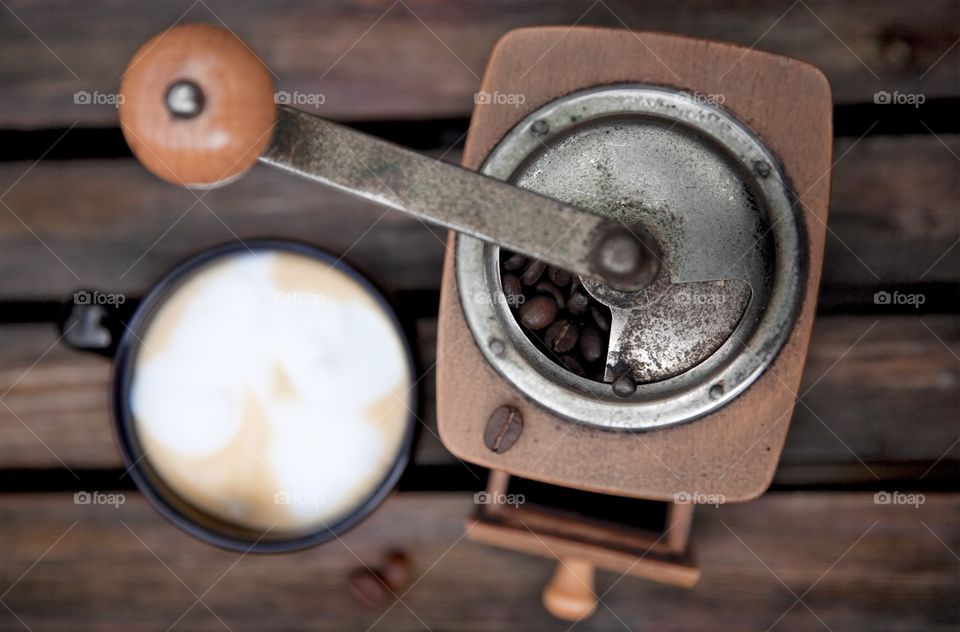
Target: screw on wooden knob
(569, 595)
(197, 105)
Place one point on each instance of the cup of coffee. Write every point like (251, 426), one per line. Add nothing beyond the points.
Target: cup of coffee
(263, 396)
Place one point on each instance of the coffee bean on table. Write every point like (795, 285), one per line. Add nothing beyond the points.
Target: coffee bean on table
(370, 589)
(514, 262)
(377, 588)
(512, 289)
(396, 571)
(533, 272)
(561, 336)
(601, 318)
(591, 344)
(546, 287)
(538, 312)
(573, 365)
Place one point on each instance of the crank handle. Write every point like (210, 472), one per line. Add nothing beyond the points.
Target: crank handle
(198, 109)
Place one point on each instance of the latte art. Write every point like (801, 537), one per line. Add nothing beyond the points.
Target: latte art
(272, 391)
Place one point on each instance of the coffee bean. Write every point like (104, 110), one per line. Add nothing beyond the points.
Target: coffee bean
(512, 289)
(559, 276)
(538, 312)
(370, 589)
(578, 303)
(503, 429)
(514, 262)
(396, 571)
(573, 365)
(561, 336)
(601, 317)
(546, 287)
(532, 273)
(591, 344)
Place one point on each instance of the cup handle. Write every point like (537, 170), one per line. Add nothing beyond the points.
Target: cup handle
(90, 326)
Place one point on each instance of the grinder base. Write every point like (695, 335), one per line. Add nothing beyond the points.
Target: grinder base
(730, 453)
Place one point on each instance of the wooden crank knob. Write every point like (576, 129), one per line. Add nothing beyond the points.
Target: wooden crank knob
(570, 595)
(197, 105)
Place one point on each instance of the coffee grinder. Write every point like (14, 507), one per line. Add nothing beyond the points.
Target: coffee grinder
(678, 185)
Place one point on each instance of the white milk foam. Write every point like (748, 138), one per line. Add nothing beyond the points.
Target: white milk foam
(271, 390)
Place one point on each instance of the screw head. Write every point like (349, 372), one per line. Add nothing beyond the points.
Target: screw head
(626, 259)
(184, 99)
(625, 385)
(716, 391)
(540, 127)
(503, 429)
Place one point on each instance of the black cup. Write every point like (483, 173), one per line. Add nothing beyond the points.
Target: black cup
(91, 327)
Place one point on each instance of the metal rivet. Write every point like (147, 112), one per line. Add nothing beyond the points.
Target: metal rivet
(184, 99)
(625, 259)
(503, 429)
(540, 127)
(625, 385)
(762, 167)
(497, 347)
(716, 391)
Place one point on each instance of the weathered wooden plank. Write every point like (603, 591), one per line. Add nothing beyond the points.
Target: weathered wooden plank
(115, 227)
(866, 566)
(878, 390)
(423, 58)
(111, 225)
(891, 397)
(893, 211)
(55, 408)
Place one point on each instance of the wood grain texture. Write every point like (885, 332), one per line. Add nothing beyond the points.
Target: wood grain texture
(236, 115)
(113, 225)
(55, 408)
(581, 545)
(377, 59)
(775, 97)
(866, 567)
(570, 593)
(892, 214)
(889, 400)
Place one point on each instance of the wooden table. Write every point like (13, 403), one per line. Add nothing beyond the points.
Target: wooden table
(879, 408)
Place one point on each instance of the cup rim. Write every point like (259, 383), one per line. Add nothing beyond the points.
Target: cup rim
(135, 463)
